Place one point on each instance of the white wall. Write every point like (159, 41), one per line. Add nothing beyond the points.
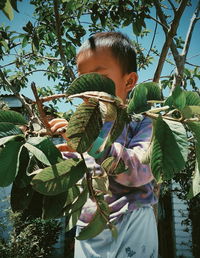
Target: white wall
(182, 232)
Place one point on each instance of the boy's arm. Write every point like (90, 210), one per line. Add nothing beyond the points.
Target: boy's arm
(131, 153)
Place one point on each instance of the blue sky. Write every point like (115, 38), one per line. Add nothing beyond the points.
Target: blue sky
(25, 14)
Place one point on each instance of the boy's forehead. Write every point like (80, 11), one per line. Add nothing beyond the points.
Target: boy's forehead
(92, 57)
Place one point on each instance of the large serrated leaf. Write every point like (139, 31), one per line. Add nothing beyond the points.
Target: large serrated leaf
(7, 129)
(179, 98)
(113, 167)
(101, 184)
(115, 130)
(81, 200)
(141, 94)
(170, 148)
(195, 128)
(59, 177)
(195, 187)
(84, 126)
(190, 111)
(73, 220)
(72, 194)
(20, 197)
(53, 206)
(96, 226)
(180, 136)
(12, 117)
(6, 139)
(8, 11)
(91, 82)
(37, 153)
(192, 98)
(156, 160)
(9, 163)
(22, 180)
(45, 145)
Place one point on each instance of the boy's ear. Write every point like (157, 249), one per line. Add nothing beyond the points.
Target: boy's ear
(131, 80)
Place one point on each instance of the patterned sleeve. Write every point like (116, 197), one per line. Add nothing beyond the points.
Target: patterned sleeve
(130, 147)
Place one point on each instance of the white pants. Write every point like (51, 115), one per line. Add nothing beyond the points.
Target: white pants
(137, 238)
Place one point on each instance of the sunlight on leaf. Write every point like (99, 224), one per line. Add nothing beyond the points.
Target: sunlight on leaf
(59, 177)
(91, 82)
(84, 126)
(9, 163)
(141, 94)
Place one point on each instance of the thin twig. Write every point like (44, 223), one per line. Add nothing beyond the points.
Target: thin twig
(192, 64)
(50, 98)
(43, 117)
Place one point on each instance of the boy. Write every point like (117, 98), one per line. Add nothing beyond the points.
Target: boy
(112, 54)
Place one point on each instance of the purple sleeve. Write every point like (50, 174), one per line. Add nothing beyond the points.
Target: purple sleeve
(131, 147)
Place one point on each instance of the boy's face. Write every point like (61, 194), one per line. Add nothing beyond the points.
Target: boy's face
(101, 61)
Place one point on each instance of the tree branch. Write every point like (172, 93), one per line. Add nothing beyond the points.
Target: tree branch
(42, 114)
(179, 75)
(19, 96)
(59, 38)
(192, 64)
(172, 6)
(169, 36)
(41, 70)
(154, 35)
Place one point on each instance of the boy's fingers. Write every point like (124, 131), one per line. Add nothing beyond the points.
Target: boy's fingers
(59, 125)
(57, 120)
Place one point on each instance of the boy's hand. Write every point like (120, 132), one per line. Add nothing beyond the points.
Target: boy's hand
(59, 124)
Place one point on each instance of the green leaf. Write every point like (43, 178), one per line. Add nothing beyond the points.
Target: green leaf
(37, 153)
(156, 160)
(115, 130)
(84, 126)
(8, 11)
(45, 145)
(25, 41)
(195, 187)
(136, 28)
(179, 98)
(9, 163)
(81, 200)
(59, 177)
(113, 167)
(190, 111)
(7, 129)
(141, 94)
(14, 4)
(20, 197)
(73, 220)
(169, 149)
(53, 206)
(72, 194)
(36, 41)
(195, 128)
(11, 138)
(108, 111)
(192, 98)
(22, 180)
(91, 82)
(96, 226)
(101, 184)
(12, 117)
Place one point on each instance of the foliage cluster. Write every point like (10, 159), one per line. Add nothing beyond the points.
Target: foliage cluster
(33, 164)
(30, 238)
(36, 164)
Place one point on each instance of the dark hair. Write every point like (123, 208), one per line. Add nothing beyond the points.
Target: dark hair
(120, 45)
